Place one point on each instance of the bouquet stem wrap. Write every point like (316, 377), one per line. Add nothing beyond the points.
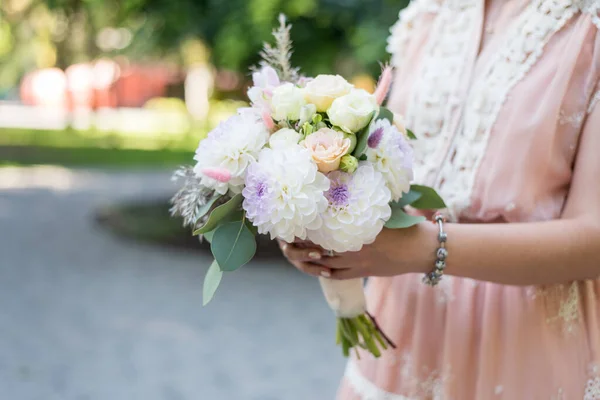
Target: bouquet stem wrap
(355, 326)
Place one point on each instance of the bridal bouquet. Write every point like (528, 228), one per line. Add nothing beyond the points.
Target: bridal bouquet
(312, 159)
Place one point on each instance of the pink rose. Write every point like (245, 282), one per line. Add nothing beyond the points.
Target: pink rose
(327, 147)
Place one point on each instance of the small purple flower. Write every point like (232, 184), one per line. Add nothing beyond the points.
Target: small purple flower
(256, 195)
(338, 194)
(375, 137)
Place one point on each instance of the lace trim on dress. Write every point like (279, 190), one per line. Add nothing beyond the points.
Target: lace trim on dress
(421, 383)
(561, 303)
(402, 30)
(592, 388)
(429, 108)
(574, 120)
(366, 389)
(524, 45)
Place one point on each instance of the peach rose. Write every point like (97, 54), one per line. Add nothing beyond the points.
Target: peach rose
(327, 147)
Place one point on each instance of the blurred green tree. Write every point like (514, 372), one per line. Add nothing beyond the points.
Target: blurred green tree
(346, 36)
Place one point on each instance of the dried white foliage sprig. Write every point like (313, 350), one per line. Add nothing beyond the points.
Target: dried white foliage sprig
(279, 57)
(188, 201)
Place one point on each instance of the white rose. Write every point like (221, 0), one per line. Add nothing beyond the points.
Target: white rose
(353, 111)
(324, 89)
(284, 137)
(287, 102)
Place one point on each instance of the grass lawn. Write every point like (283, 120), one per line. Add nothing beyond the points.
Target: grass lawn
(89, 148)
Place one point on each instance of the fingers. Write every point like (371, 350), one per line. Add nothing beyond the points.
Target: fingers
(312, 269)
(347, 273)
(294, 253)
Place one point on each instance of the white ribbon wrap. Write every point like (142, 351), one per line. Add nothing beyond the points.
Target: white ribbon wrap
(345, 297)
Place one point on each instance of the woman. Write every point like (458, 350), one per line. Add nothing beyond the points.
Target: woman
(503, 96)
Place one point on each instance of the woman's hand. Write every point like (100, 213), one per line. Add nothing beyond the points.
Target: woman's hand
(394, 252)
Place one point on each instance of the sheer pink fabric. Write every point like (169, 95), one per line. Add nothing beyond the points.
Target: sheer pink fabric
(500, 94)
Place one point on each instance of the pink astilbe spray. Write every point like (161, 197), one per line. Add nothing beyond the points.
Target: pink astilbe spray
(384, 84)
(269, 123)
(219, 174)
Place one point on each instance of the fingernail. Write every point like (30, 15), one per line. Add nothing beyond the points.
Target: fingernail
(325, 274)
(314, 255)
(284, 247)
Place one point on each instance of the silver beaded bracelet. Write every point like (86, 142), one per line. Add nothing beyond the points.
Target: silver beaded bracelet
(434, 277)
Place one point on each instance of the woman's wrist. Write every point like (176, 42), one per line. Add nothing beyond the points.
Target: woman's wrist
(412, 250)
(427, 245)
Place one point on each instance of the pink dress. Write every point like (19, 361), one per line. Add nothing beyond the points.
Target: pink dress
(499, 93)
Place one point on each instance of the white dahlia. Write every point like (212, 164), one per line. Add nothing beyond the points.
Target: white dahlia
(391, 154)
(223, 157)
(284, 193)
(358, 209)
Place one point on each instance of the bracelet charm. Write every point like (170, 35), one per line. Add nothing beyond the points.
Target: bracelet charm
(434, 277)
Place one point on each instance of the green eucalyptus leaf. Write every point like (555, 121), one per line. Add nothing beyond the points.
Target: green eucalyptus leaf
(208, 235)
(400, 219)
(407, 199)
(385, 113)
(212, 279)
(206, 208)
(410, 134)
(233, 245)
(219, 213)
(429, 200)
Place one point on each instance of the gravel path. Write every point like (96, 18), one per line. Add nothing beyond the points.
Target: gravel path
(88, 316)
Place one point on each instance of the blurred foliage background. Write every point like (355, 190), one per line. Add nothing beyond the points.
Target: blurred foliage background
(156, 75)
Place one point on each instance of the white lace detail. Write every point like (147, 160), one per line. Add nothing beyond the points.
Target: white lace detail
(402, 30)
(592, 388)
(523, 47)
(366, 389)
(435, 94)
(561, 303)
(422, 383)
(591, 7)
(575, 120)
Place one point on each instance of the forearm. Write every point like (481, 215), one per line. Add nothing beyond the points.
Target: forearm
(524, 253)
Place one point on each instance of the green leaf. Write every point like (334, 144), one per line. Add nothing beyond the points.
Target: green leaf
(206, 208)
(400, 219)
(362, 158)
(362, 138)
(212, 279)
(233, 245)
(410, 134)
(208, 236)
(385, 113)
(429, 199)
(219, 213)
(407, 199)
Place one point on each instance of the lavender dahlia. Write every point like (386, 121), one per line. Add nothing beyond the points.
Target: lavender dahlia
(358, 206)
(284, 193)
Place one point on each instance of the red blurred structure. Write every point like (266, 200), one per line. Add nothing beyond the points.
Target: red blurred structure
(104, 83)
